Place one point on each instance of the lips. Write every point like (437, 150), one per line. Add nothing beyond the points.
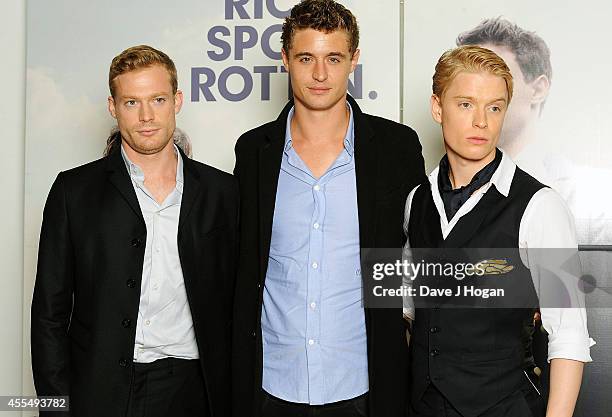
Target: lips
(318, 90)
(147, 132)
(477, 140)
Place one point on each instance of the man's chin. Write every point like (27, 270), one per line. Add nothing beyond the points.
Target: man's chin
(321, 103)
(149, 147)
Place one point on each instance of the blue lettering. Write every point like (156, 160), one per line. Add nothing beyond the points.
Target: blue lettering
(265, 72)
(246, 78)
(265, 42)
(238, 5)
(226, 48)
(258, 9)
(281, 14)
(355, 88)
(204, 87)
(240, 44)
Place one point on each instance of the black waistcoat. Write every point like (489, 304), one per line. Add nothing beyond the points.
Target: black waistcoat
(475, 357)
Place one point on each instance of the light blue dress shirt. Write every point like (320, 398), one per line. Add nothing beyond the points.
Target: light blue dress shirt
(164, 327)
(313, 322)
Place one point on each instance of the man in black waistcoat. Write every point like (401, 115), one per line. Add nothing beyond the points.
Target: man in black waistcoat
(470, 362)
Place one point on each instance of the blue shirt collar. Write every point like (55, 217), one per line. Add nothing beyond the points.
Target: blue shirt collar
(137, 174)
(349, 138)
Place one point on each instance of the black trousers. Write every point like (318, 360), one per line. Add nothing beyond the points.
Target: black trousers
(526, 402)
(168, 388)
(275, 407)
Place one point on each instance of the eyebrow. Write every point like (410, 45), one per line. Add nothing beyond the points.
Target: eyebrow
(158, 94)
(301, 54)
(473, 99)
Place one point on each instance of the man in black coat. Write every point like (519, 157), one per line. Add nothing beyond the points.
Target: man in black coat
(317, 186)
(132, 303)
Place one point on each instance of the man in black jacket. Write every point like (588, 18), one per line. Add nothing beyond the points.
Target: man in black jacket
(317, 186)
(132, 302)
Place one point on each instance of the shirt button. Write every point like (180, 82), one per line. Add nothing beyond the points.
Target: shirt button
(315, 265)
(311, 342)
(313, 305)
(316, 225)
(155, 287)
(147, 322)
(317, 187)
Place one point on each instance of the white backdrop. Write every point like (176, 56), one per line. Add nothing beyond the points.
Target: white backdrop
(70, 44)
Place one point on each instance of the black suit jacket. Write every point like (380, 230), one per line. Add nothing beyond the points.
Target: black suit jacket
(388, 165)
(87, 290)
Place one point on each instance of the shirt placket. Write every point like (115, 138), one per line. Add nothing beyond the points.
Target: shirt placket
(316, 269)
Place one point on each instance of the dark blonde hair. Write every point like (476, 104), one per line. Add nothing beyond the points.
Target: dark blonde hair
(469, 58)
(137, 57)
(322, 15)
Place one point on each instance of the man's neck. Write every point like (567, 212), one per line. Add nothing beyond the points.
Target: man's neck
(320, 126)
(463, 170)
(158, 165)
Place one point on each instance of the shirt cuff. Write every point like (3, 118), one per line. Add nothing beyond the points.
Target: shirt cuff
(576, 347)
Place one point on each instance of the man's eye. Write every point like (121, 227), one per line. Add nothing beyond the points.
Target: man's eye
(465, 105)
(160, 100)
(305, 59)
(334, 60)
(495, 109)
(130, 103)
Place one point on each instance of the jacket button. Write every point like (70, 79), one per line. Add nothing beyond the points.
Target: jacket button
(126, 323)
(123, 363)
(136, 243)
(434, 352)
(434, 329)
(253, 335)
(131, 283)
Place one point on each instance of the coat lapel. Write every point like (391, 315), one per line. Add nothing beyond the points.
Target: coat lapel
(120, 178)
(366, 155)
(270, 156)
(192, 186)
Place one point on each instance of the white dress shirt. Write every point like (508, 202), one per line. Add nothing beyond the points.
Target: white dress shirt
(164, 327)
(546, 223)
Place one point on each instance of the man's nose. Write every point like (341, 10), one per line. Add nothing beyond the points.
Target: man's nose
(146, 113)
(320, 71)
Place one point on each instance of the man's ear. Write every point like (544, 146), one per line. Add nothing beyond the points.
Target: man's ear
(541, 88)
(285, 57)
(111, 107)
(178, 101)
(436, 108)
(355, 59)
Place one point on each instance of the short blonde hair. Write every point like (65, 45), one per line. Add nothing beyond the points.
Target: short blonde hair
(138, 57)
(469, 58)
